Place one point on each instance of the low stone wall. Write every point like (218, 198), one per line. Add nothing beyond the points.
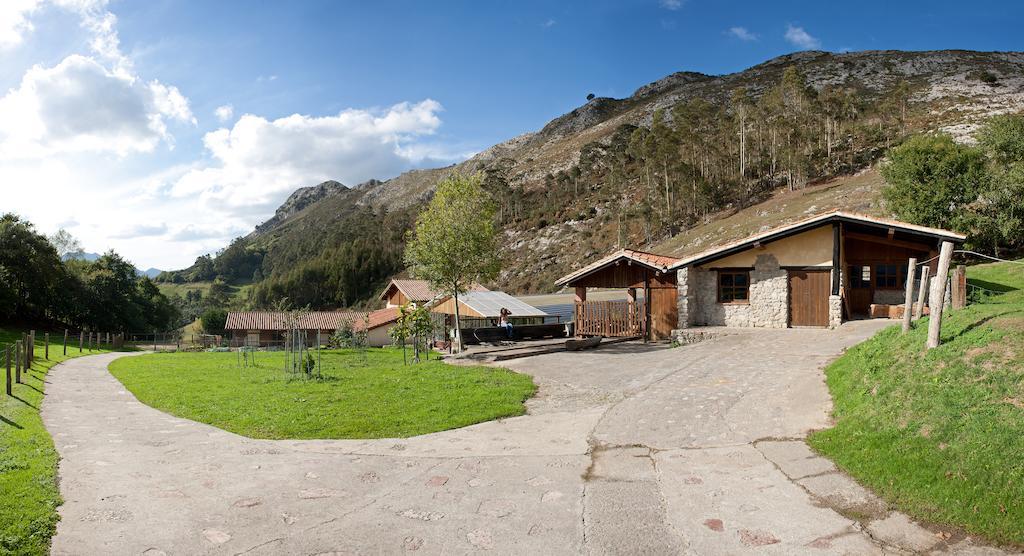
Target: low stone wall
(686, 336)
(889, 297)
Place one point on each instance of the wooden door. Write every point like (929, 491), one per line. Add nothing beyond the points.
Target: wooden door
(859, 289)
(664, 312)
(808, 297)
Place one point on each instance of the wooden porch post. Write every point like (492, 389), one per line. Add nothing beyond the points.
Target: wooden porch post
(581, 299)
(836, 240)
(647, 307)
(631, 320)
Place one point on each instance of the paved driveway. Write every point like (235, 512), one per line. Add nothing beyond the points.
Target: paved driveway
(627, 449)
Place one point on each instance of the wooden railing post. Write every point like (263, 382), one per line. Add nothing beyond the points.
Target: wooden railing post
(959, 286)
(908, 298)
(65, 341)
(17, 361)
(938, 297)
(922, 293)
(81, 340)
(46, 344)
(7, 364)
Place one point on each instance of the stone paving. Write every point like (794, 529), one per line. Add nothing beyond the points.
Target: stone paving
(626, 449)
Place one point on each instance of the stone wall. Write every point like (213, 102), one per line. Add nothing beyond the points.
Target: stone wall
(769, 293)
(768, 306)
(835, 311)
(685, 290)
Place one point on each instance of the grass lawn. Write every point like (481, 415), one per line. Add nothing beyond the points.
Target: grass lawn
(28, 462)
(375, 397)
(940, 434)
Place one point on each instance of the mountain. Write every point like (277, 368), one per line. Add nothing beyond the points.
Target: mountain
(91, 257)
(88, 257)
(677, 155)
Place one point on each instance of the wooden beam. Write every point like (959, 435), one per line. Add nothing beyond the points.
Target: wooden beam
(836, 241)
(890, 233)
(888, 241)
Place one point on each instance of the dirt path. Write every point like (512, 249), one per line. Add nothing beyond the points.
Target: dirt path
(625, 450)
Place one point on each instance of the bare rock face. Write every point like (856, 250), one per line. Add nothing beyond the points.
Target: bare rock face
(300, 199)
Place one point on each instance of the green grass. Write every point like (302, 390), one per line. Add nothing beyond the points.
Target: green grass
(375, 397)
(940, 433)
(28, 462)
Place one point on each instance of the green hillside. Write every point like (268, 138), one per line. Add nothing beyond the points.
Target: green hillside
(939, 433)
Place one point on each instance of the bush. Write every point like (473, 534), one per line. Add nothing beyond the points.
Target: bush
(213, 321)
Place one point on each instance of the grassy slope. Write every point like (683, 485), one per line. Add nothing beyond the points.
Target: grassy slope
(28, 462)
(940, 433)
(377, 397)
(859, 193)
(239, 291)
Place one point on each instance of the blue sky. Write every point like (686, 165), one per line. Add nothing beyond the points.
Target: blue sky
(163, 128)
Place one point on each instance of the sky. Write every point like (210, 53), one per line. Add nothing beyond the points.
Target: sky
(162, 129)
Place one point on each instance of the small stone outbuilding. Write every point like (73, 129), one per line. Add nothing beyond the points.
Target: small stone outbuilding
(815, 272)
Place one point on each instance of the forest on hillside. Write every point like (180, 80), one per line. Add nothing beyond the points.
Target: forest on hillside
(699, 157)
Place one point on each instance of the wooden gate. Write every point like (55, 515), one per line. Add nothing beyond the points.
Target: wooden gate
(808, 297)
(611, 319)
(664, 312)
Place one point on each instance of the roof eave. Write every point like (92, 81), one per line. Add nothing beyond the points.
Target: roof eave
(809, 225)
(613, 258)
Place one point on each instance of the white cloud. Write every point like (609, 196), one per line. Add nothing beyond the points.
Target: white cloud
(224, 113)
(742, 34)
(797, 36)
(14, 22)
(80, 106)
(549, 23)
(261, 161)
(672, 4)
(140, 230)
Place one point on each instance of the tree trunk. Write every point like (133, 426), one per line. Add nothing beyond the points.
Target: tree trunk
(458, 325)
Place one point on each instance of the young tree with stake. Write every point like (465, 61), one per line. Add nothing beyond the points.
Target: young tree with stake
(454, 243)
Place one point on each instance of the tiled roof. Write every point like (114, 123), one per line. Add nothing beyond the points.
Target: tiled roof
(265, 320)
(652, 260)
(377, 318)
(315, 320)
(419, 290)
(814, 222)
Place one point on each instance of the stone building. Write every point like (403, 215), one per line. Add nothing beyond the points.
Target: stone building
(816, 272)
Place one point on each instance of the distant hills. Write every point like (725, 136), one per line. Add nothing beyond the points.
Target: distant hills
(150, 272)
(676, 155)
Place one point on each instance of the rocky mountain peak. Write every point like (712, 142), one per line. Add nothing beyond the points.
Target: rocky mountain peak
(300, 199)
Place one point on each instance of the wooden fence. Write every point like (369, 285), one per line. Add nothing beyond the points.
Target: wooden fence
(611, 319)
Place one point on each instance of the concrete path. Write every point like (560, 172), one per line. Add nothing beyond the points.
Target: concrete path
(628, 449)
